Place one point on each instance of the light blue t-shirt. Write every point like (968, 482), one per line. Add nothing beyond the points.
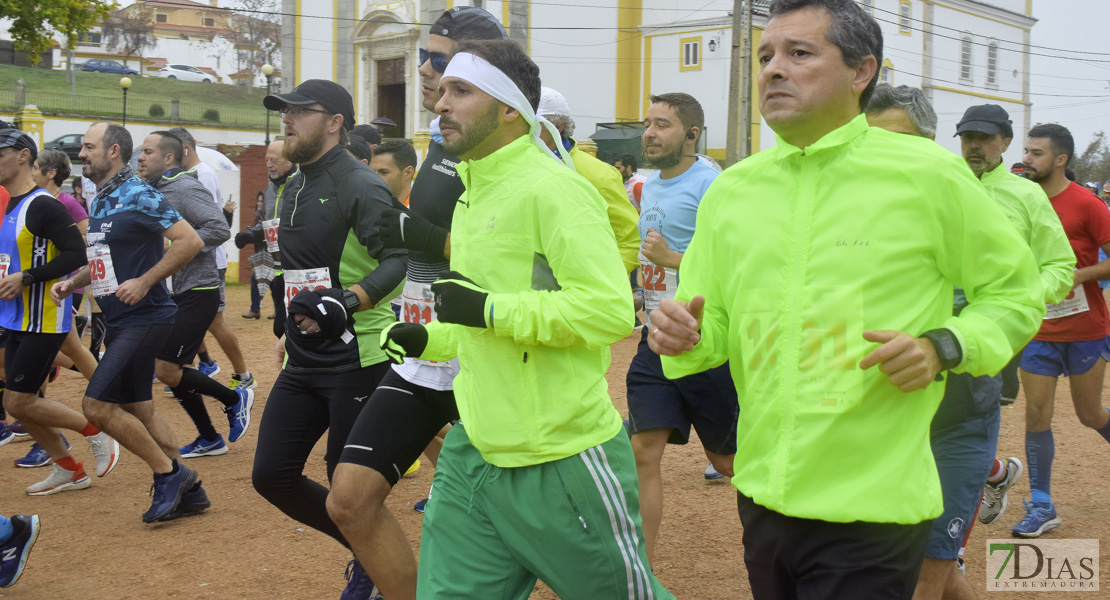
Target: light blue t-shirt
(670, 206)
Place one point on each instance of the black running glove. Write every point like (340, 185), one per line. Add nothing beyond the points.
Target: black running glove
(401, 340)
(243, 239)
(460, 300)
(328, 307)
(405, 229)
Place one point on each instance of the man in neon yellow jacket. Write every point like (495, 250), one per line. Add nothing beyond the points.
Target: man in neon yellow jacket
(804, 258)
(538, 480)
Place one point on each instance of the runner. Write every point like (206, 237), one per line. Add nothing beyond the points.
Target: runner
(540, 452)
(660, 410)
(225, 337)
(415, 401)
(197, 296)
(817, 299)
(39, 246)
(1073, 340)
(128, 220)
(633, 181)
(338, 282)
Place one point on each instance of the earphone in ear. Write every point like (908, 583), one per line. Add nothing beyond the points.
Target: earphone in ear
(690, 133)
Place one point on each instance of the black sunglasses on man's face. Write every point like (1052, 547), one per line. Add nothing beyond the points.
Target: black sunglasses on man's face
(439, 59)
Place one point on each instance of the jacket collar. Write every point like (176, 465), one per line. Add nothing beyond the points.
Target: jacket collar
(996, 173)
(327, 160)
(833, 139)
(496, 161)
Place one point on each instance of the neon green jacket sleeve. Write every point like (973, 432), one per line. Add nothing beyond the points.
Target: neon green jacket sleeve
(622, 215)
(1029, 209)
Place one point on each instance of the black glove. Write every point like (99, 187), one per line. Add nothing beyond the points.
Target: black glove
(244, 239)
(460, 300)
(405, 229)
(328, 307)
(401, 340)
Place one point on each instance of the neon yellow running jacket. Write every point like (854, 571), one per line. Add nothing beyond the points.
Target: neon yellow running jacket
(531, 388)
(798, 252)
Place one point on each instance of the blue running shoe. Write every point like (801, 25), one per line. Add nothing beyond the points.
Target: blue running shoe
(711, 473)
(37, 457)
(14, 552)
(419, 506)
(168, 489)
(1039, 519)
(202, 447)
(194, 501)
(359, 585)
(6, 434)
(210, 368)
(239, 416)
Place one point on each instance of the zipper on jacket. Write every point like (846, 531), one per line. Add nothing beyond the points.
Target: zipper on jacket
(525, 357)
(296, 200)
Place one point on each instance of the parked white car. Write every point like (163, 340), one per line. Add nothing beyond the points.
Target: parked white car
(185, 73)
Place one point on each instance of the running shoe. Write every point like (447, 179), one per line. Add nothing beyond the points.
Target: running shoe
(202, 447)
(37, 457)
(61, 480)
(106, 451)
(419, 506)
(194, 501)
(167, 390)
(359, 584)
(14, 551)
(711, 474)
(239, 416)
(210, 369)
(995, 495)
(246, 384)
(17, 429)
(6, 434)
(1039, 519)
(167, 492)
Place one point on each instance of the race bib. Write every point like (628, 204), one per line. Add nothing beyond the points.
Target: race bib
(660, 283)
(5, 263)
(1075, 303)
(101, 271)
(305, 279)
(418, 306)
(270, 229)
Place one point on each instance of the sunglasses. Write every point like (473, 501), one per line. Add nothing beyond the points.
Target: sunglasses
(439, 59)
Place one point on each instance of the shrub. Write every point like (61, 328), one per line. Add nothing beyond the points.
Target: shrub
(156, 110)
(212, 115)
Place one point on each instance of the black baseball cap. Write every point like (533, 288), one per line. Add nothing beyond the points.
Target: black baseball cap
(14, 138)
(986, 118)
(368, 133)
(468, 23)
(358, 146)
(328, 94)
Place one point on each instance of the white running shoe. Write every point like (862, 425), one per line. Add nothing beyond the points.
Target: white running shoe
(60, 480)
(994, 494)
(106, 451)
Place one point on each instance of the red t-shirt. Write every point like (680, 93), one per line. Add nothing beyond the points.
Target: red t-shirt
(4, 199)
(1087, 224)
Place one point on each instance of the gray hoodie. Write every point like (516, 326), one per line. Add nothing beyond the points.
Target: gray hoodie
(190, 198)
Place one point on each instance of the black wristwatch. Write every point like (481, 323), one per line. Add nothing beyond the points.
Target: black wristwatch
(947, 347)
(351, 301)
(28, 279)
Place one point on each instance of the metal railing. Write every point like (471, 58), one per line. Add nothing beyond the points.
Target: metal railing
(143, 109)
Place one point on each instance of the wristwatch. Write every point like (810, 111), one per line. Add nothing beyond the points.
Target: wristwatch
(351, 301)
(947, 347)
(28, 279)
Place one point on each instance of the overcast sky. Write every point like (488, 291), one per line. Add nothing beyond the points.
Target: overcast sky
(1084, 87)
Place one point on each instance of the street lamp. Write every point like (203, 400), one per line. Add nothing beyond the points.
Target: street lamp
(125, 82)
(268, 71)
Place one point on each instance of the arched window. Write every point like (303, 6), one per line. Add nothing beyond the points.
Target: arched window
(992, 63)
(965, 57)
(905, 17)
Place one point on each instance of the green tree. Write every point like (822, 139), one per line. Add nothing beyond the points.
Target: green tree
(35, 22)
(1094, 163)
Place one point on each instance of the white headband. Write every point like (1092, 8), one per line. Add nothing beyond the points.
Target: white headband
(491, 80)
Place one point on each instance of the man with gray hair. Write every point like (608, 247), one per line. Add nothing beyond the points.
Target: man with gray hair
(901, 109)
(833, 306)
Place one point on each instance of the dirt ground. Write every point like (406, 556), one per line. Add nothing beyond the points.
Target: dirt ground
(95, 546)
